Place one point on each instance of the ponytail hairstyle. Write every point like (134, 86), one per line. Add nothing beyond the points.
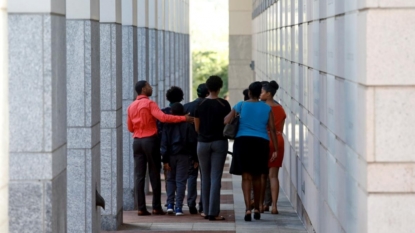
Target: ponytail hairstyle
(272, 87)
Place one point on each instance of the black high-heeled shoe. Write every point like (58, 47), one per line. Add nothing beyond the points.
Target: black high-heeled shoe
(248, 217)
(257, 215)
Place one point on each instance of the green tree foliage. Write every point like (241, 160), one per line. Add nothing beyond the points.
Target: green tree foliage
(207, 63)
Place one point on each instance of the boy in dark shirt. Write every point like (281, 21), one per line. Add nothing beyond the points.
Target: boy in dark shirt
(176, 148)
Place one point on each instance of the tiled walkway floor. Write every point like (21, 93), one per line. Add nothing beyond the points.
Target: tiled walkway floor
(232, 208)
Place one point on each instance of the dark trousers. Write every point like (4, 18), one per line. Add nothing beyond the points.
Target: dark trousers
(147, 152)
(176, 179)
(192, 187)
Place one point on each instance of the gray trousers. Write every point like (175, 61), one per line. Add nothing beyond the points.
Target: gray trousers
(192, 186)
(177, 178)
(212, 156)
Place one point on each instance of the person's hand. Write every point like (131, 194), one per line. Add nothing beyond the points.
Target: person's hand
(273, 157)
(189, 119)
(228, 119)
(195, 164)
(166, 167)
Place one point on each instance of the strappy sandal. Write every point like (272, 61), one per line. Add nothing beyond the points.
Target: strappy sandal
(216, 218)
(248, 217)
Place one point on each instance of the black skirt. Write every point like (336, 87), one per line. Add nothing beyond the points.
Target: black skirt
(250, 155)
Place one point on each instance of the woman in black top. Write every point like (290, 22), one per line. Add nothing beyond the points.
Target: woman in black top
(212, 147)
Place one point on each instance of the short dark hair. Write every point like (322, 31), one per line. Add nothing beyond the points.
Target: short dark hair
(202, 90)
(246, 95)
(177, 109)
(272, 87)
(264, 83)
(255, 89)
(174, 94)
(139, 86)
(214, 83)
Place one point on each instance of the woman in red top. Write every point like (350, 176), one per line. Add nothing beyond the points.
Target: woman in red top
(274, 164)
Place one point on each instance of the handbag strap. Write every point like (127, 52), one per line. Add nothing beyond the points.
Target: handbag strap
(240, 113)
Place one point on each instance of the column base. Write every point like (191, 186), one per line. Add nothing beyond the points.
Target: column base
(111, 222)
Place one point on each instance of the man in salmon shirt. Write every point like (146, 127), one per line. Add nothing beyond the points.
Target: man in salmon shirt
(142, 115)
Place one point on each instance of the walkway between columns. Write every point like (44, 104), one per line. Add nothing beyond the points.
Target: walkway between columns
(232, 208)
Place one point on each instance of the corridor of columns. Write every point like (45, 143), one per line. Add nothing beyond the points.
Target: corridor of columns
(345, 70)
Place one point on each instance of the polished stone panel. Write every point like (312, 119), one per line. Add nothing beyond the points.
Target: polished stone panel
(142, 54)
(160, 67)
(167, 73)
(111, 124)
(152, 62)
(129, 78)
(37, 196)
(83, 64)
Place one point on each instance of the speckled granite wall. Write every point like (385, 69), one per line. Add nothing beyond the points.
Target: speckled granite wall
(160, 68)
(111, 124)
(129, 78)
(84, 114)
(152, 62)
(143, 53)
(167, 68)
(38, 141)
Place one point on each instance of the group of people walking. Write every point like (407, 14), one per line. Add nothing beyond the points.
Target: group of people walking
(188, 138)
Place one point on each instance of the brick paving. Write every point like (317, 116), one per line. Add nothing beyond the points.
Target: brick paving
(231, 204)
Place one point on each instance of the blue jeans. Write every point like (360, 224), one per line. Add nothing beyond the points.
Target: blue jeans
(177, 178)
(212, 156)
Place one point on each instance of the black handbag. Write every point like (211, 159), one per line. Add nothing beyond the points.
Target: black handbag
(231, 129)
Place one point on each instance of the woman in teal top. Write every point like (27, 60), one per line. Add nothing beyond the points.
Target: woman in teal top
(251, 146)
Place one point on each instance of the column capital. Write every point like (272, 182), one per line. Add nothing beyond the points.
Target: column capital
(161, 14)
(43, 6)
(142, 13)
(129, 12)
(82, 9)
(110, 11)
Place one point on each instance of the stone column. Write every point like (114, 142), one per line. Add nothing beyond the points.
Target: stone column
(171, 42)
(84, 114)
(160, 53)
(187, 54)
(4, 121)
(142, 40)
(240, 42)
(176, 43)
(167, 36)
(152, 48)
(111, 113)
(129, 78)
(37, 100)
